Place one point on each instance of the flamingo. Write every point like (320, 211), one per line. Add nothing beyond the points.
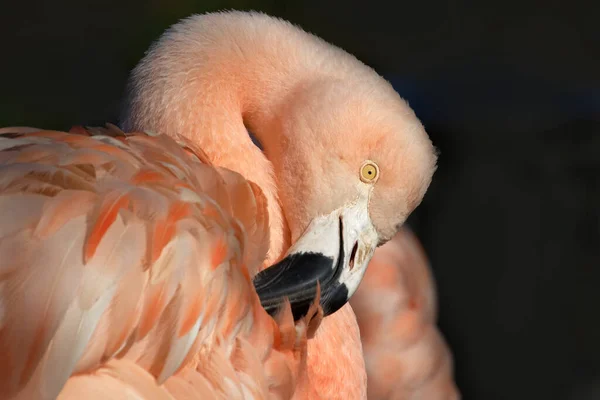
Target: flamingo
(180, 259)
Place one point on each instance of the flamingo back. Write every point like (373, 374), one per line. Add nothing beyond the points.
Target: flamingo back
(405, 355)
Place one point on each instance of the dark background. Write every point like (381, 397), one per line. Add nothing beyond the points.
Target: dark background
(508, 90)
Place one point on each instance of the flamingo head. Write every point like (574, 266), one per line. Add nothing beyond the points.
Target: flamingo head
(352, 164)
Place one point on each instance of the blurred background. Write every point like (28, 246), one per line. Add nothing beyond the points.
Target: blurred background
(508, 90)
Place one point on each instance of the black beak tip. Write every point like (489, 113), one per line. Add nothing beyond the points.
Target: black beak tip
(333, 300)
(297, 277)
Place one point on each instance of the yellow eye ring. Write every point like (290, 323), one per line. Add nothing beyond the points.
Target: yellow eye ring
(369, 172)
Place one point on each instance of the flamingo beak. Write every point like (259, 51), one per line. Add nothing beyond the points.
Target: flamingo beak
(334, 251)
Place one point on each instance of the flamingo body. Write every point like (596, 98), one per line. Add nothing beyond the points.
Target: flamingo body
(140, 266)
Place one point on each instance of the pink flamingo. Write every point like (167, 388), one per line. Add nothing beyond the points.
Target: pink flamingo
(129, 264)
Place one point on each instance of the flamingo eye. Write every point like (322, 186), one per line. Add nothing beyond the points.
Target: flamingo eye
(369, 172)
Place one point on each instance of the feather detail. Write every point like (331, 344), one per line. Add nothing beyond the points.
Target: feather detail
(125, 267)
(107, 214)
(61, 208)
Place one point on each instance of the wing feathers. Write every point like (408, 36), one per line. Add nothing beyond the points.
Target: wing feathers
(126, 263)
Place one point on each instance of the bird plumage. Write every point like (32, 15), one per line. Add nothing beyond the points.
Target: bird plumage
(135, 252)
(396, 307)
(126, 262)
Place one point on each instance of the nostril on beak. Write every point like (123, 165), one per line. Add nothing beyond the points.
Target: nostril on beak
(353, 255)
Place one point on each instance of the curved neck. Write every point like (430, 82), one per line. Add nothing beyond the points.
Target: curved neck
(208, 83)
(211, 76)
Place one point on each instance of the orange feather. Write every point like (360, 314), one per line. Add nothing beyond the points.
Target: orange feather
(107, 215)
